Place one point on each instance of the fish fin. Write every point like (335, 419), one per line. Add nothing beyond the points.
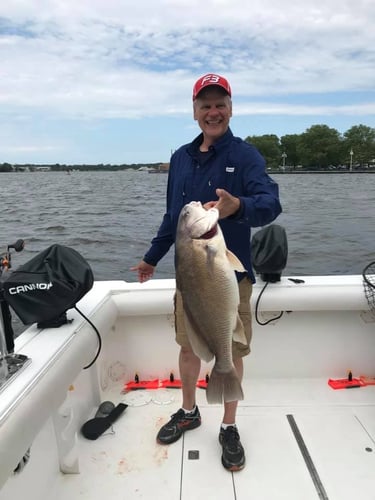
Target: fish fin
(235, 262)
(239, 332)
(199, 346)
(215, 388)
(223, 385)
(232, 387)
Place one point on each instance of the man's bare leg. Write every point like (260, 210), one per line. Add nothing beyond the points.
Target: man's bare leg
(190, 366)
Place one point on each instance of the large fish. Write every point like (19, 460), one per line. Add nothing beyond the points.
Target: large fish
(207, 282)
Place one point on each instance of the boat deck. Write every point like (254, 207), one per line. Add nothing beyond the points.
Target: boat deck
(303, 440)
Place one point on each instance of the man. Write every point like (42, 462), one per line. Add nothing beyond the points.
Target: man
(225, 172)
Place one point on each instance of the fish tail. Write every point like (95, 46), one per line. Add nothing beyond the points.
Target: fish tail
(223, 385)
(232, 387)
(215, 387)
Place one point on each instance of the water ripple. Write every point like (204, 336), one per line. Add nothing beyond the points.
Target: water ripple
(111, 217)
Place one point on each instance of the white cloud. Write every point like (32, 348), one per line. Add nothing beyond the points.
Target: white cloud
(28, 149)
(93, 59)
(259, 108)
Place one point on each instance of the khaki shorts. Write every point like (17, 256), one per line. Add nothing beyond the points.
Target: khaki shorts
(238, 349)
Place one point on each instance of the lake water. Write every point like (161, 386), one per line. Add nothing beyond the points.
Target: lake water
(110, 218)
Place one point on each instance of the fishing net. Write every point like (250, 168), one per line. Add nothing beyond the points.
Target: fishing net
(369, 285)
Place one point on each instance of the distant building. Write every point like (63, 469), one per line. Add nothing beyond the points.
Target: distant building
(163, 168)
(42, 169)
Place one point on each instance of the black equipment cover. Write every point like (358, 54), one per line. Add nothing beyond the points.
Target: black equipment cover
(269, 248)
(49, 284)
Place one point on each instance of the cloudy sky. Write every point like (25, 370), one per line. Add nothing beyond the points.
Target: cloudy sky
(110, 81)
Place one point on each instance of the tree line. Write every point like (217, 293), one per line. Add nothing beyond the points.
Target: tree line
(62, 167)
(319, 148)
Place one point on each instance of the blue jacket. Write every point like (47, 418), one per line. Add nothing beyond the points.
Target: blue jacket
(231, 164)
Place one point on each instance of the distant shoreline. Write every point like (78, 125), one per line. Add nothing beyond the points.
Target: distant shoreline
(367, 171)
(116, 168)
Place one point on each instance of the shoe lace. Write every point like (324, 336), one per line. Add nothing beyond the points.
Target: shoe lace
(231, 437)
(176, 417)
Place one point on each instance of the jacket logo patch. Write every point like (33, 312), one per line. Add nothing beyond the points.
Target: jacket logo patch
(229, 169)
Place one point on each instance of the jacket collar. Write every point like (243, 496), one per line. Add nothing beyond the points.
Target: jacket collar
(193, 148)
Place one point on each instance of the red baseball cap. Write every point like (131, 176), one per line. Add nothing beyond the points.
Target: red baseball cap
(211, 79)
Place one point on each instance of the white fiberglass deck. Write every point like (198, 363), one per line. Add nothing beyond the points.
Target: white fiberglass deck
(337, 427)
(303, 440)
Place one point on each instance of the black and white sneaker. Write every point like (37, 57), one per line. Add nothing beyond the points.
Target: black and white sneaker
(233, 457)
(178, 424)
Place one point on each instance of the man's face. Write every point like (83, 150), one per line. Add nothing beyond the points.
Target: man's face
(213, 110)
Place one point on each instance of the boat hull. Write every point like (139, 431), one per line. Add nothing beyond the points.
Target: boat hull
(325, 330)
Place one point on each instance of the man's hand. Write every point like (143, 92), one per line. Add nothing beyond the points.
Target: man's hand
(226, 204)
(145, 271)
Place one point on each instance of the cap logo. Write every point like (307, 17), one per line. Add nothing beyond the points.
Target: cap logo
(210, 79)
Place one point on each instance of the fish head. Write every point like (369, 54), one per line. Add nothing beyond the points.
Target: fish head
(196, 222)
